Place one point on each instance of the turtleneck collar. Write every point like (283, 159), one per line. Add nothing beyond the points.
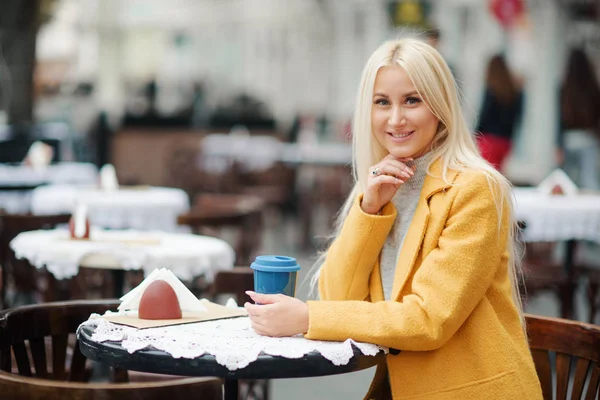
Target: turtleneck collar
(421, 163)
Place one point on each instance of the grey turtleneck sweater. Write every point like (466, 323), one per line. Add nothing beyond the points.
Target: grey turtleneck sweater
(405, 200)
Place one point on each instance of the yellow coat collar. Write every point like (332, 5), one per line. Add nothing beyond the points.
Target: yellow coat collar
(416, 232)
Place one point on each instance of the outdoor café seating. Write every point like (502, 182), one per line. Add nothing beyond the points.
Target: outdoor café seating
(45, 334)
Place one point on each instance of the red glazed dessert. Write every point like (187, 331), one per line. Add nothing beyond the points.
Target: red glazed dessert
(86, 234)
(159, 301)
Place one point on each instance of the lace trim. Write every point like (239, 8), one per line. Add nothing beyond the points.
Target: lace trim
(232, 341)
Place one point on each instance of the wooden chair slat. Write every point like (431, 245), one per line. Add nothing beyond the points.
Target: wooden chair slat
(38, 353)
(22, 359)
(568, 339)
(581, 371)
(563, 367)
(119, 375)
(77, 367)
(5, 359)
(59, 355)
(541, 359)
(592, 390)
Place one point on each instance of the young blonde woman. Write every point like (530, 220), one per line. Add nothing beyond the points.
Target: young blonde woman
(423, 260)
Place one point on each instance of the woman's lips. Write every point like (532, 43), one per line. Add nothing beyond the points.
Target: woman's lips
(402, 137)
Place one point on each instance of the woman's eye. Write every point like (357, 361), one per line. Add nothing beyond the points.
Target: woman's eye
(382, 102)
(412, 100)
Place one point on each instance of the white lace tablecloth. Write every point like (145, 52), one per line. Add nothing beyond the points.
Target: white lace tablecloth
(145, 208)
(19, 202)
(232, 341)
(186, 255)
(558, 218)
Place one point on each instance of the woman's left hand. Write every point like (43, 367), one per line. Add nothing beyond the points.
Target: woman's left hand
(277, 315)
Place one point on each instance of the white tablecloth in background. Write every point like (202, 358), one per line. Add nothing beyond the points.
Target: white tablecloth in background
(144, 208)
(186, 255)
(66, 172)
(558, 218)
(259, 153)
(19, 202)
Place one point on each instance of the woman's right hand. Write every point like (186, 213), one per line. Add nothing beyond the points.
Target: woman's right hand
(385, 178)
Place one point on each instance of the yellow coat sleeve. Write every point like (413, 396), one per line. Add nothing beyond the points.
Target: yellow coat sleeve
(354, 253)
(451, 280)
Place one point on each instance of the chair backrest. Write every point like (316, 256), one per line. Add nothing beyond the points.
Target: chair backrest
(555, 345)
(23, 277)
(32, 332)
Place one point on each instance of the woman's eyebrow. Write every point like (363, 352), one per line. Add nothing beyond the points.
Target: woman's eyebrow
(380, 94)
(414, 92)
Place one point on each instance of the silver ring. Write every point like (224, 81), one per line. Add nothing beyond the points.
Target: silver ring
(376, 172)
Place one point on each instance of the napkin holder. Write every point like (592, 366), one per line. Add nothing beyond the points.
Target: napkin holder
(39, 155)
(193, 309)
(79, 224)
(108, 178)
(558, 183)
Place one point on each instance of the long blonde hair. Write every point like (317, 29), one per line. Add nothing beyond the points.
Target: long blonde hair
(453, 143)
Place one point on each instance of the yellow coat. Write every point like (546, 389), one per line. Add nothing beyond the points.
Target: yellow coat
(452, 317)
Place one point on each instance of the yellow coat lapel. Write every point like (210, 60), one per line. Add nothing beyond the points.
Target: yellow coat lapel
(416, 231)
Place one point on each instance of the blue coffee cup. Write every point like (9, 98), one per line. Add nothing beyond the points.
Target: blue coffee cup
(275, 274)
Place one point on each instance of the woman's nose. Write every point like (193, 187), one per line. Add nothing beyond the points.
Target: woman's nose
(397, 117)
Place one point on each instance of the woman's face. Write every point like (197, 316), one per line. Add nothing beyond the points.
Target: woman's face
(400, 120)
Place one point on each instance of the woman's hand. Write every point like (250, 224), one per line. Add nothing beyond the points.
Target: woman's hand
(277, 315)
(384, 180)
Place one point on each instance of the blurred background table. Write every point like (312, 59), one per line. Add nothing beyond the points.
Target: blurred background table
(18, 180)
(143, 207)
(555, 228)
(186, 255)
(558, 217)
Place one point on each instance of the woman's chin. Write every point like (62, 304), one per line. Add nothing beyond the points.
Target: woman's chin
(402, 153)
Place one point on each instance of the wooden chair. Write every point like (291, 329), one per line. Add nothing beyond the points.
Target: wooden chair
(555, 344)
(20, 273)
(45, 335)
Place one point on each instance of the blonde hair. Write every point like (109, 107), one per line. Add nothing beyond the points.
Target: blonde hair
(453, 143)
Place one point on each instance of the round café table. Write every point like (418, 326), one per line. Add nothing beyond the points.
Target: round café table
(186, 255)
(265, 366)
(135, 207)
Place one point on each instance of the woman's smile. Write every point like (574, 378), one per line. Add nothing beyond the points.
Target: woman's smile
(400, 120)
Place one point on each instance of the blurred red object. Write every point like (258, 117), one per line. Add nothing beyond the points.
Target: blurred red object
(506, 11)
(86, 234)
(557, 190)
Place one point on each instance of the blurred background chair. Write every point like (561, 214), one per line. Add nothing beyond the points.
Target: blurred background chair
(25, 281)
(212, 213)
(545, 270)
(45, 335)
(556, 344)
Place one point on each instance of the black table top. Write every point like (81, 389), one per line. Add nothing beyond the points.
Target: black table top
(265, 367)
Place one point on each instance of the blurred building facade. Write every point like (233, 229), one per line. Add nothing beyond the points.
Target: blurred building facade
(305, 57)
